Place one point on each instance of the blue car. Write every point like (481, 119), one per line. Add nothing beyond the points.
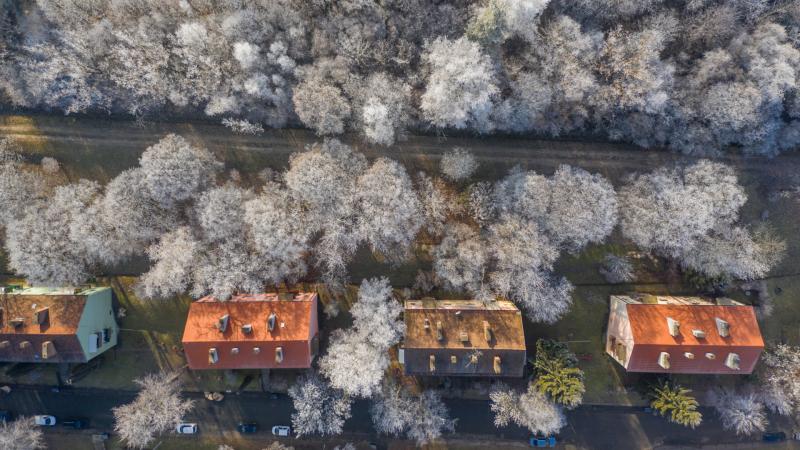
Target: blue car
(542, 441)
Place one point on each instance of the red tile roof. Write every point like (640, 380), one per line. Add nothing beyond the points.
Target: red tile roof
(651, 337)
(295, 331)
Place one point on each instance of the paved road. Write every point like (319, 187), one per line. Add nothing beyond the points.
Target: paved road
(592, 427)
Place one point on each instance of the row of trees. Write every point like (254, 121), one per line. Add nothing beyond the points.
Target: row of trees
(206, 232)
(694, 75)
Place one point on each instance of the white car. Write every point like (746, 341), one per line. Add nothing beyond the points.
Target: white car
(45, 421)
(186, 428)
(281, 430)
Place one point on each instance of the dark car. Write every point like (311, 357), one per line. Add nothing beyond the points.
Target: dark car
(5, 416)
(247, 428)
(77, 424)
(774, 437)
(542, 441)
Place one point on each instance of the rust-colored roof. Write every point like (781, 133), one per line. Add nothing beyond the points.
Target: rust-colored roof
(295, 327)
(63, 316)
(463, 316)
(64, 313)
(651, 337)
(649, 325)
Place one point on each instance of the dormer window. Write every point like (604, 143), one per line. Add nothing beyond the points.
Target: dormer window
(487, 332)
(271, 320)
(235, 351)
(439, 331)
(711, 356)
(279, 355)
(674, 327)
(213, 356)
(222, 323)
(464, 337)
(732, 361)
(498, 367)
(699, 334)
(256, 350)
(42, 315)
(663, 360)
(723, 328)
(432, 363)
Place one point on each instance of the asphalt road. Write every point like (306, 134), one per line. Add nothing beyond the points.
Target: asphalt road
(589, 426)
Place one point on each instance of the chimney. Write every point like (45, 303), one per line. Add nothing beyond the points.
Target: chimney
(723, 328)
(439, 331)
(498, 368)
(699, 334)
(463, 337)
(48, 350)
(279, 355)
(487, 332)
(674, 326)
(42, 315)
(213, 356)
(732, 361)
(247, 328)
(271, 321)
(432, 363)
(222, 323)
(663, 360)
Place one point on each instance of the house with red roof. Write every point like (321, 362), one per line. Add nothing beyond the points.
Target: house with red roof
(263, 331)
(693, 335)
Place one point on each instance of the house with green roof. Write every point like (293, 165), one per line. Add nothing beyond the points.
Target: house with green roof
(56, 325)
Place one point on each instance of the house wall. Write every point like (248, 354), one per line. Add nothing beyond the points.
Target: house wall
(97, 315)
(313, 331)
(619, 330)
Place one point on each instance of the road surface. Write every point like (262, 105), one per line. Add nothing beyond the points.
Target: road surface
(591, 427)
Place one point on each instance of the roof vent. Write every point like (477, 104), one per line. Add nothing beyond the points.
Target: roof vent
(439, 331)
(271, 321)
(17, 322)
(498, 368)
(247, 328)
(663, 360)
(213, 356)
(42, 315)
(711, 356)
(723, 328)
(458, 314)
(279, 355)
(222, 323)
(674, 326)
(732, 361)
(235, 351)
(699, 334)
(463, 337)
(688, 355)
(432, 363)
(256, 350)
(487, 332)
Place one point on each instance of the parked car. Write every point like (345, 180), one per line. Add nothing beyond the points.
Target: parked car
(5, 416)
(43, 420)
(186, 428)
(78, 424)
(281, 430)
(542, 441)
(779, 436)
(247, 428)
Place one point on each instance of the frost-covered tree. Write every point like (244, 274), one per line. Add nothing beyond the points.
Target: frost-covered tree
(157, 408)
(357, 357)
(39, 244)
(461, 86)
(19, 188)
(422, 418)
(530, 409)
(743, 413)
(21, 434)
(389, 210)
(437, 202)
(50, 165)
(174, 169)
(383, 105)
(318, 408)
(461, 258)
(617, 269)
(778, 378)
(322, 107)
(458, 164)
(691, 214)
(173, 258)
